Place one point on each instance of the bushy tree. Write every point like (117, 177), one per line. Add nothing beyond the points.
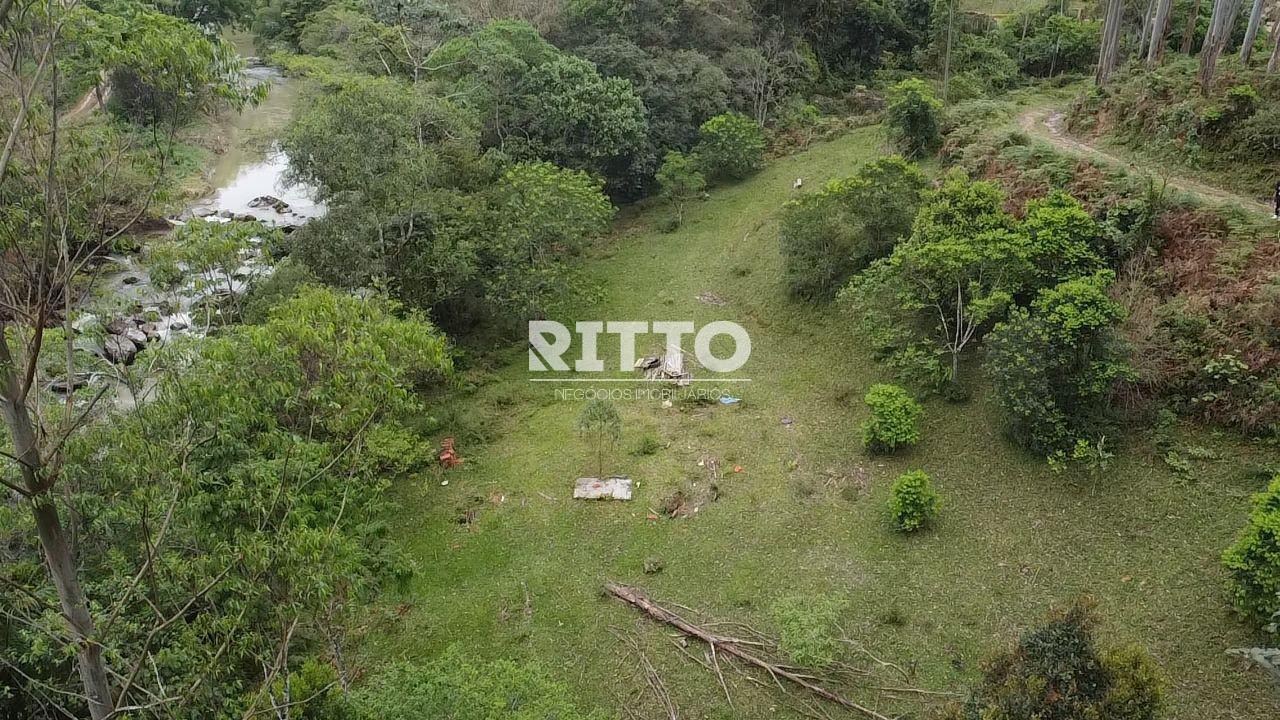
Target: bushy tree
(894, 421)
(730, 147)
(494, 255)
(965, 53)
(913, 503)
(829, 235)
(1062, 239)
(954, 278)
(538, 103)
(852, 37)
(679, 181)
(572, 116)
(543, 214)
(680, 89)
(1253, 562)
(162, 68)
(1045, 42)
(380, 37)
(384, 143)
(913, 118)
(1058, 672)
(1053, 365)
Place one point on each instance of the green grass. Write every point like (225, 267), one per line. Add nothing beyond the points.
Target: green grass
(1013, 538)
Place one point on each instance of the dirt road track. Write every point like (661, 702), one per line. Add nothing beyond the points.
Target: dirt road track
(1048, 124)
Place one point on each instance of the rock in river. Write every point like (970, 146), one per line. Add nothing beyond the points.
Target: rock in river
(119, 349)
(137, 337)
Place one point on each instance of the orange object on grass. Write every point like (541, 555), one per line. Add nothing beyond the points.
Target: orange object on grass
(448, 456)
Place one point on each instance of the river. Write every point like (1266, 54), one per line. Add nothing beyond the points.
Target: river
(129, 313)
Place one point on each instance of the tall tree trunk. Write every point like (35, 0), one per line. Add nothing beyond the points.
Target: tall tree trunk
(1189, 33)
(1159, 28)
(1220, 26)
(946, 61)
(53, 541)
(1251, 33)
(1147, 17)
(1109, 51)
(1274, 62)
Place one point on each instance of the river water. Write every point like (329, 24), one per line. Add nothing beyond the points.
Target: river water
(126, 304)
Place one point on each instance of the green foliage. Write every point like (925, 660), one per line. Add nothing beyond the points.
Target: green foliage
(316, 690)
(977, 62)
(163, 69)
(459, 688)
(285, 280)
(830, 235)
(852, 37)
(536, 102)
(600, 426)
(1061, 239)
(913, 118)
(1253, 561)
(415, 204)
(210, 12)
(572, 116)
(913, 503)
(253, 452)
(895, 419)
(957, 274)
(807, 627)
(680, 89)
(208, 251)
(1053, 366)
(1045, 42)
(541, 214)
(1232, 129)
(383, 143)
(680, 180)
(1057, 672)
(646, 445)
(730, 147)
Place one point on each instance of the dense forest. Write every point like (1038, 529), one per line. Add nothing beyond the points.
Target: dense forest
(1006, 446)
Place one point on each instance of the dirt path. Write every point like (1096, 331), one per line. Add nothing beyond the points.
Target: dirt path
(88, 103)
(1048, 124)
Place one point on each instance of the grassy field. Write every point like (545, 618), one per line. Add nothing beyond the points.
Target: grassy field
(806, 514)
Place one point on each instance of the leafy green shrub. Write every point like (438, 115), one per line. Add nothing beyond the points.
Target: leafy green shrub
(284, 282)
(730, 146)
(646, 445)
(912, 501)
(680, 181)
(807, 627)
(895, 419)
(914, 118)
(1054, 365)
(1253, 562)
(829, 235)
(1057, 672)
(456, 687)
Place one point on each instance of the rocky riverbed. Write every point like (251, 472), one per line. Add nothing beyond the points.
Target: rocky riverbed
(129, 313)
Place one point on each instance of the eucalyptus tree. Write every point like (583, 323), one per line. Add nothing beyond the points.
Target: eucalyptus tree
(1251, 31)
(1221, 24)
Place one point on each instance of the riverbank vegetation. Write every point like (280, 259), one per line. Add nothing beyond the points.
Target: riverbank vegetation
(1007, 446)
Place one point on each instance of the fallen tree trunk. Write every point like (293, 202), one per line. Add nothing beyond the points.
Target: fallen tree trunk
(729, 646)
